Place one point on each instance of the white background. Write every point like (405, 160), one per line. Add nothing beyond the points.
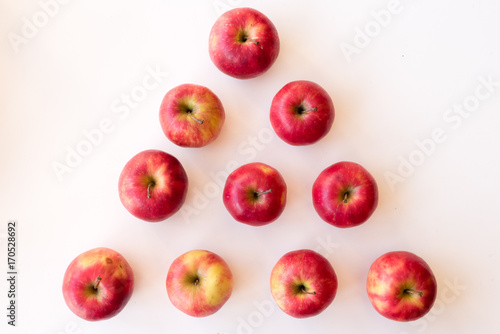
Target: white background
(70, 74)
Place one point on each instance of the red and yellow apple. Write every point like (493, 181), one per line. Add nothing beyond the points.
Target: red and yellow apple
(243, 43)
(401, 286)
(345, 194)
(153, 185)
(303, 283)
(199, 283)
(191, 115)
(302, 113)
(98, 284)
(255, 194)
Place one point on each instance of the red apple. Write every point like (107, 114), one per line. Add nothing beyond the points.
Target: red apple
(302, 113)
(98, 284)
(255, 194)
(401, 286)
(345, 194)
(199, 283)
(303, 283)
(153, 185)
(243, 43)
(191, 115)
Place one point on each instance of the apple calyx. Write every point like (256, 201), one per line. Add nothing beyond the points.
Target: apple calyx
(98, 281)
(412, 292)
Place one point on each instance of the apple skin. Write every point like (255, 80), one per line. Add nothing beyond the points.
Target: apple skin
(168, 188)
(113, 291)
(401, 286)
(345, 194)
(302, 113)
(199, 283)
(246, 195)
(243, 43)
(191, 115)
(303, 283)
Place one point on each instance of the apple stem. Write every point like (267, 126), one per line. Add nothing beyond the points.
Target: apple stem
(413, 292)
(257, 193)
(254, 41)
(149, 189)
(345, 197)
(196, 282)
(200, 121)
(98, 282)
(307, 292)
(301, 110)
(310, 109)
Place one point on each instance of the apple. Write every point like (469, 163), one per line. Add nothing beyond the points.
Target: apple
(303, 283)
(345, 194)
(199, 283)
(302, 113)
(255, 194)
(98, 284)
(191, 115)
(401, 286)
(243, 43)
(153, 185)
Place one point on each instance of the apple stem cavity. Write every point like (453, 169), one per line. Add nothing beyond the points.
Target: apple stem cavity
(413, 292)
(200, 121)
(149, 188)
(98, 282)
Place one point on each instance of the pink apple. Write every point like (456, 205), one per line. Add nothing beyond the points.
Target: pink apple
(401, 286)
(303, 283)
(345, 194)
(243, 43)
(153, 185)
(199, 283)
(98, 284)
(302, 113)
(255, 194)
(191, 115)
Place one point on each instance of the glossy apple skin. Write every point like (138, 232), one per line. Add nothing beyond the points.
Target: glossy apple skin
(166, 195)
(302, 113)
(308, 269)
(393, 273)
(210, 293)
(113, 291)
(191, 115)
(330, 189)
(240, 194)
(239, 57)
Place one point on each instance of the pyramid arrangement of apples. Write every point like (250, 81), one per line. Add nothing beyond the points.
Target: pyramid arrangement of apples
(243, 44)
